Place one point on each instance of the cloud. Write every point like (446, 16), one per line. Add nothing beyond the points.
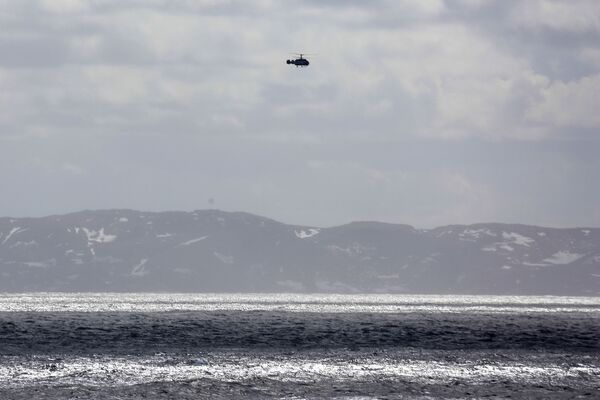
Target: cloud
(389, 70)
(573, 16)
(167, 92)
(570, 104)
(64, 6)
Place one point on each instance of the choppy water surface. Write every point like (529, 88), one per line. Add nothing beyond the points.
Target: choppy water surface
(297, 346)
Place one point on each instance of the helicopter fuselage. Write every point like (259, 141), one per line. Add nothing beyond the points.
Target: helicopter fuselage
(299, 62)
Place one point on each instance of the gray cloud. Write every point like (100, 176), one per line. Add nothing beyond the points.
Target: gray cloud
(425, 112)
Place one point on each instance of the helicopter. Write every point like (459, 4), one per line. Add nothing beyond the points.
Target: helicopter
(299, 62)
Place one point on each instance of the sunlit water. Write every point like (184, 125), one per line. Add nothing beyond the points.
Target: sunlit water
(297, 346)
(371, 303)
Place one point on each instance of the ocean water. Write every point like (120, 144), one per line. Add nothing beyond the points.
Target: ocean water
(117, 346)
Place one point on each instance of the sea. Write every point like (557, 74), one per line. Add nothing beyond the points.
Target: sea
(297, 346)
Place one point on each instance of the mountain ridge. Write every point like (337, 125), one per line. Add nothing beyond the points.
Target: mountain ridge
(214, 250)
(104, 210)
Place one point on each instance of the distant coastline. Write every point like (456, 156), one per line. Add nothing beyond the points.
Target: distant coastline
(217, 251)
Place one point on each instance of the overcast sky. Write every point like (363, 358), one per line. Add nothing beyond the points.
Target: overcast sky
(413, 111)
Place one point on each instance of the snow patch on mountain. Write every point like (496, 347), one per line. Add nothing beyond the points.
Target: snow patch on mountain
(192, 241)
(443, 233)
(225, 259)
(36, 264)
(139, 269)
(510, 240)
(518, 239)
(472, 235)
(532, 264)
(498, 246)
(562, 258)
(354, 249)
(302, 234)
(506, 247)
(12, 232)
(432, 258)
(97, 236)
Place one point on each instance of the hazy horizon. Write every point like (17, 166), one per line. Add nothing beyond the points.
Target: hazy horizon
(299, 224)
